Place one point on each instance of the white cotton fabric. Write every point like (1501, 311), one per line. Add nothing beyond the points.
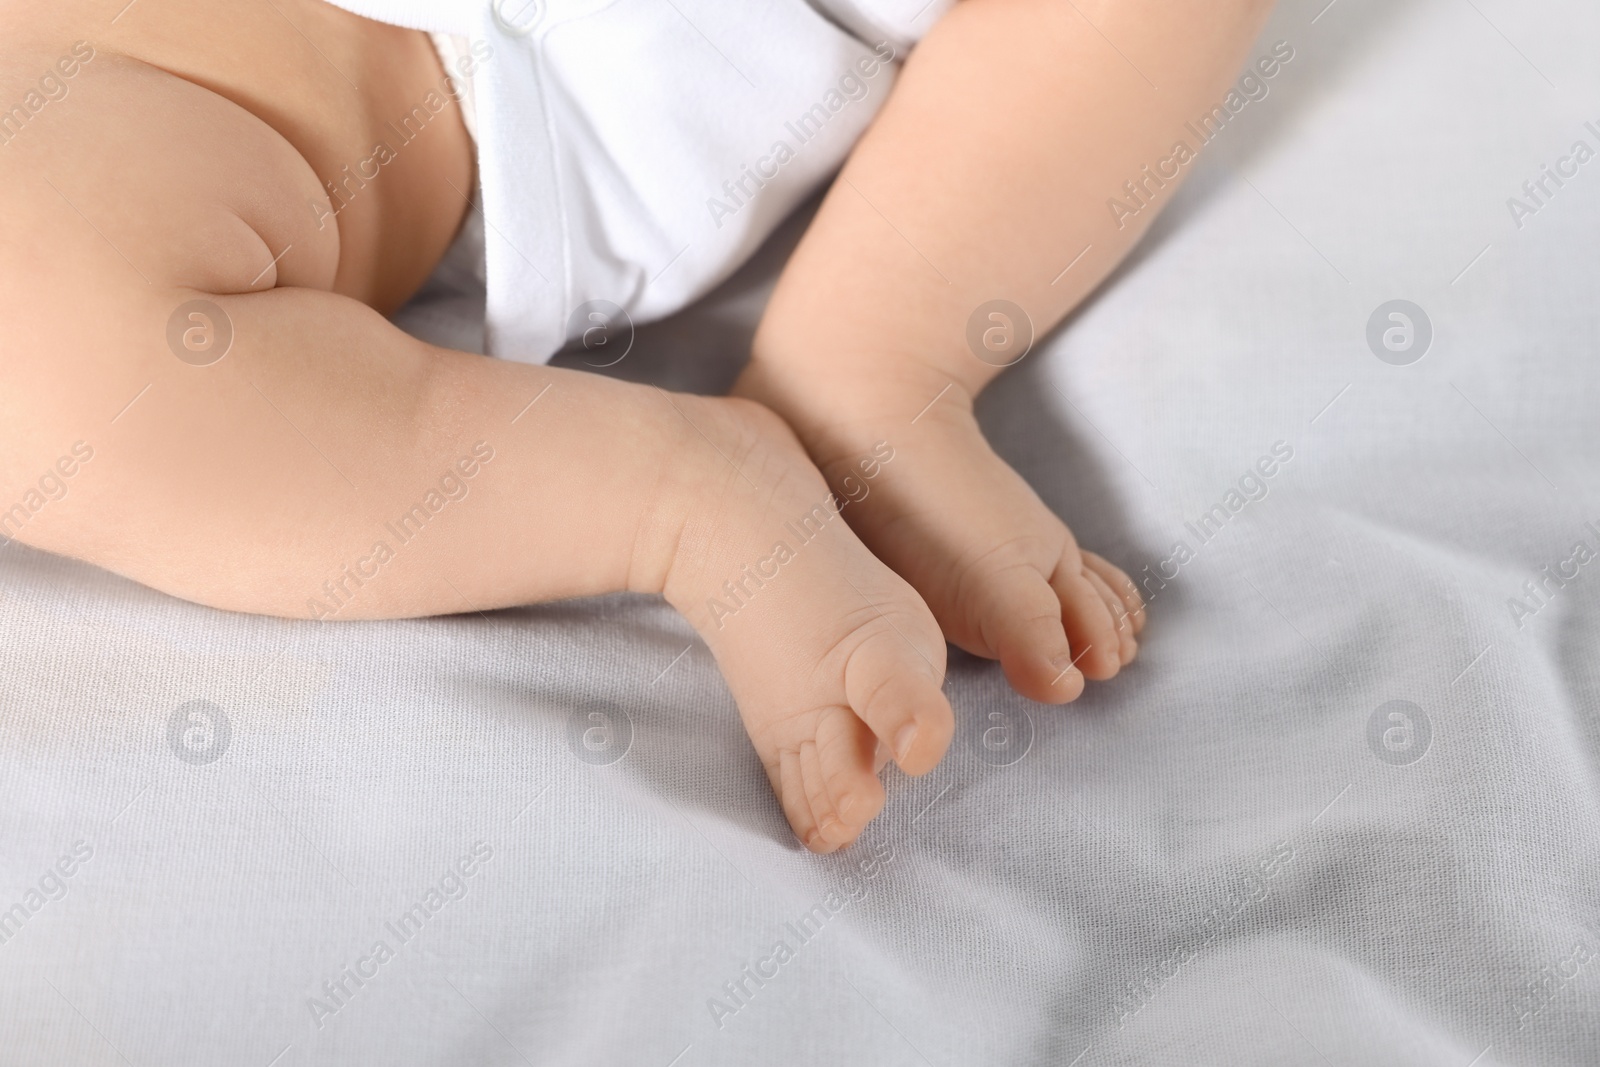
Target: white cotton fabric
(1203, 862)
(629, 150)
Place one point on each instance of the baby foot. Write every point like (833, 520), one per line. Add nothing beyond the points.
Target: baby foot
(835, 662)
(1001, 573)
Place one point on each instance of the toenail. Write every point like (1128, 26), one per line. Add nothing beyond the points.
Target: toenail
(903, 741)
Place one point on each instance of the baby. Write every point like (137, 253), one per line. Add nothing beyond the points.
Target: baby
(211, 205)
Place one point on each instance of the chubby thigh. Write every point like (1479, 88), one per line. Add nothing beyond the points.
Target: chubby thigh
(198, 197)
(153, 227)
(183, 114)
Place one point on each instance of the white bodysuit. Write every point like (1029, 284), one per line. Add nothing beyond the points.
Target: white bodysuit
(637, 151)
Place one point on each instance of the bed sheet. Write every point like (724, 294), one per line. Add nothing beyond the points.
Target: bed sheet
(1341, 811)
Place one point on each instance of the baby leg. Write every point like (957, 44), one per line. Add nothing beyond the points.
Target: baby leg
(987, 176)
(280, 471)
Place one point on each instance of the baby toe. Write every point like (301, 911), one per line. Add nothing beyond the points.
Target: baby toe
(847, 758)
(1088, 624)
(1127, 647)
(1122, 585)
(894, 688)
(1019, 617)
(797, 805)
(815, 784)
